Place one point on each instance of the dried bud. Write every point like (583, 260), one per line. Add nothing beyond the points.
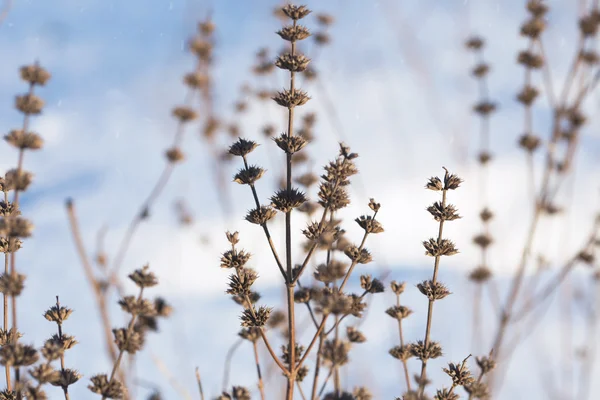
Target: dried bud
(295, 12)
(292, 62)
(248, 175)
(422, 352)
(143, 278)
(398, 288)
(24, 140)
(433, 291)
(112, 389)
(251, 317)
(184, 114)
(290, 144)
(444, 248)
(293, 33)
(174, 155)
(35, 75)
(285, 200)
(29, 104)
(242, 147)
(290, 99)
(261, 215)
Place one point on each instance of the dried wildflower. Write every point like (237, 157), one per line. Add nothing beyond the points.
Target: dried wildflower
(530, 60)
(441, 212)
(201, 47)
(34, 74)
(335, 352)
(399, 312)
(422, 352)
(66, 378)
(484, 157)
(537, 8)
(434, 183)
(334, 302)
(234, 259)
(261, 215)
(402, 353)
(474, 43)
(354, 335)
(292, 62)
(397, 288)
(481, 70)
(52, 350)
(240, 393)
(307, 180)
(459, 373)
(135, 306)
(285, 200)
(143, 278)
(9, 209)
(529, 142)
(243, 300)
(276, 319)
(302, 295)
(250, 334)
(29, 104)
(483, 240)
(64, 341)
(328, 273)
(445, 394)
(486, 364)
(9, 336)
(18, 179)
(174, 155)
(129, 341)
(242, 147)
(248, 175)
(112, 389)
(241, 282)
(444, 248)
(251, 317)
(451, 181)
(433, 290)
(18, 355)
(232, 238)
(371, 285)
(290, 99)
(533, 28)
(285, 353)
(480, 274)
(369, 224)
(322, 38)
(12, 284)
(295, 12)
(360, 256)
(58, 314)
(184, 114)
(477, 390)
(575, 117)
(527, 95)
(290, 144)
(486, 215)
(374, 206)
(484, 108)
(293, 33)
(24, 140)
(44, 373)
(15, 227)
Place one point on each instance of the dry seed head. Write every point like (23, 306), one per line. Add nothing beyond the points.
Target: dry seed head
(24, 140)
(112, 389)
(307, 180)
(234, 259)
(435, 184)
(201, 47)
(206, 28)
(433, 290)
(9, 209)
(58, 314)
(130, 341)
(250, 334)
(533, 28)
(486, 215)
(329, 273)
(66, 378)
(9, 336)
(241, 282)
(486, 364)
(434, 249)
(52, 350)
(442, 212)
(43, 373)
(369, 224)
(586, 257)
(588, 25)
(335, 352)
(481, 70)
(18, 355)
(478, 390)
(243, 300)
(240, 393)
(232, 238)
(143, 278)
(174, 155)
(483, 240)
(249, 175)
(401, 353)
(34, 74)
(292, 62)
(590, 57)
(184, 114)
(480, 274)
(290, 144)
(285, 200)
(141, 307)
(459, 373)
(529, 142)
(15, 227)
(12, 284)
(371, 285)
(537, 8)
(474, 43)
(484, 108)
(322, 38)
(293, 33)
(398, 288)
(422, 352)
(242, 147)
(374, 206)
(29, 104)
(291, 99)
(530, 60)
(285, 354)
(252, 317)
(399, 312)
(360, 256)
(325, 19)
(302, 295)
(354, 335)
(484, 157)
(260, 215)
(18, 179)
(445, 394)
(295, 12)
(527, 95)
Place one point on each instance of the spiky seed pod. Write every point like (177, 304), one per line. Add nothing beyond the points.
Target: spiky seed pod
(252, 317)
(529, 142)
(285, 200)
(399, 312)
(480, 274)
(66, 378)
(398, 288)
(18, 355)
(486, 215)
(302, 373)
(249, 175)
(135, 306)
(333, 302)
(128, 341)
(34, 74)
(65, 341)
(292, 62)
(530, 60)
(290, 99)
(329, 273)
(422, 352)
(144, 278)
(52, 350)
(29, 104)
(235, 259)
(354, 335)
(18, 179)
(434, 249)
(15, 227)
(433, 291)
(484, 108)
(435, 184)
(481, 70)
(243, 301)
(474, 43)
(483, 240)
(445, 394)
(533, 28)
(285, 353)
(459, 373)
(241, 282)
(261, 215)
(369, 224)
(184, 114)
(101, 385)
(302, 295)
(58, 314)
(478, 390)
(44, 373)
(451, 181)
(196, 80)
(294, 33)
(9, 336)
(174, 155)
(371, 285)
(537, 8)
(24, 140)
(442, 212)
(486, 364)
(295, 12)
(240, 393)
(250, 334)
(242, 147)
(290, 144)
(335, 352)
(12, 284)
(9, 209)
(402, 353)
(527, 95)
(360, 256)
(201, 47)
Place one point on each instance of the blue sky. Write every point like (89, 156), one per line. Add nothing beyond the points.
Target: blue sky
(398, 75)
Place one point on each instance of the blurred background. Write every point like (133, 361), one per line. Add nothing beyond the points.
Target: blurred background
(394, 83)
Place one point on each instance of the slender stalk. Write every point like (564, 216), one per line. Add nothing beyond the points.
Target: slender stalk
(199, 381)
(261, 385)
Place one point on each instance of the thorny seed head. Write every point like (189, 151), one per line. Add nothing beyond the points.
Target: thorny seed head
(143, 278)
(58, 314)
(261, 215)
(241, 282)
(399, 312)
(484, 108)
(132, 305)
(329, 273)
(459, 373)
(66, 378)
(354, 335)
(243, 300)
(477, 390)
(295, 12)
(9, 336)
(34, 74)
(331, 301)
(402, 353)
(527, 95)
(18, 355)
(52, 350)
(24, 140)
(442, 212)
(249, 175)
(44, 373)
(423, 353)
(483, 240)
(371, 285)
(112, 389)
(12, 284)
(398, 288)
(433, 291)
(444, 248)
(290, 99)
(130, 341)
(9, 209)
(445, 394)
(302, 295)
(184, 114)
(530, 59)
(235, 259)
(529, 142)
(250, 334)
(15, 227)
(285, 353)
(18, 179)
(292, 62)
(240, 393)
(486, 364)
(29, 104)
(293, 33)
(369, 224)
(335, 352)
(64, 341)
(242, 147)
(480, 274)
(285, 200)
(533, 28)
(252, 317)
(290, 144)
(360, 256)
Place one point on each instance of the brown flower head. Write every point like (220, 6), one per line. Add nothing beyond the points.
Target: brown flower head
(24, 140)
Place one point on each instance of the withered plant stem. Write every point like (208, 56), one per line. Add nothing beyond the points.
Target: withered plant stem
(261, 384)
